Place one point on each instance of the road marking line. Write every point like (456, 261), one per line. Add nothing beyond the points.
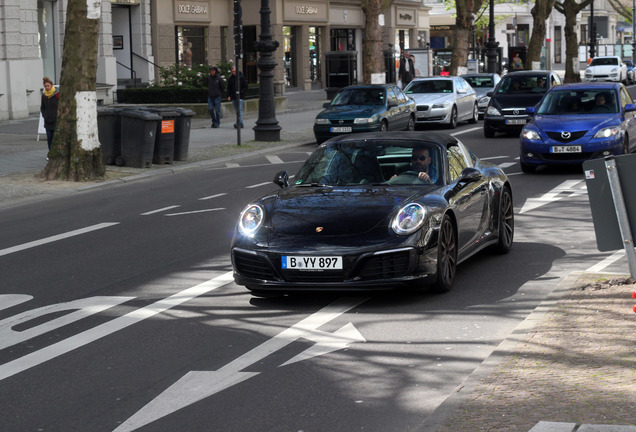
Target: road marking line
(258, 185)
(607, 261)
(195, 211)
(159, 210)
(212, 196)
(554, 195)
(54, 238)
(494, 157)
(69, 344)
(274, 159)
(232, 165)
(465, 131)
(506, 164)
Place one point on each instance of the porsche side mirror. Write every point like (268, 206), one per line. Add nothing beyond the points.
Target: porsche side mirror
(282, 179)
(469, 175)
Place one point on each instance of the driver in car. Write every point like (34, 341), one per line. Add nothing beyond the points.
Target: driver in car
(421, 165)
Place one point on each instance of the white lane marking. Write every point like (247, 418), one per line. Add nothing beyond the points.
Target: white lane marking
(258, 185)
(494, 157)
(195, 211)
(506, 164)
(274, 159)
(212, 196)
(54, 238)
(607, 261)
(555, 194)
(232, 165)
(159, 210)
(465, 131)
(38, 357)
(197, 385)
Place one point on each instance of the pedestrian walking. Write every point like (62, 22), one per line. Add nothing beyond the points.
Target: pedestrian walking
(215, 88)
(407, 69)
(231, 94)
(48, 108)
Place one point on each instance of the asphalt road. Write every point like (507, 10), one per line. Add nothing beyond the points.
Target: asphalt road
(118, 312)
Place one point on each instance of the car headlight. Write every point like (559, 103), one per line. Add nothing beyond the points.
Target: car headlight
(588, 72)
(366, 120)
(493, 111)
(442, 105)
(614, 71)
(251, 220)
(484, 100)
(409, 219)
(607, 132)
(322, 121)
(530, 134)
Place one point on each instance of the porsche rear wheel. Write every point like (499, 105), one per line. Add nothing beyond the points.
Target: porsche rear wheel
(506, 222)
(446, 256)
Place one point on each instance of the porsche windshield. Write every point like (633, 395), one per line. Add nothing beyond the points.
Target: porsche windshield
(565, 102)
(360, 163)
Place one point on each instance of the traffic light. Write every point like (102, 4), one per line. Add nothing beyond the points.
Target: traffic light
(238, 27)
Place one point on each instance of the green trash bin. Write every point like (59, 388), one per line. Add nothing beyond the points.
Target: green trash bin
(164, 143)
(182, 134)
(138, 136)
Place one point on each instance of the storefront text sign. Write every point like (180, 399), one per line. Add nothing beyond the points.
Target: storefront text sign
(405, 17)
(305, 11)
(185, 10)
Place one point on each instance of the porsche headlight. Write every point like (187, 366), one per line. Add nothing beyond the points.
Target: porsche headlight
(493, 111)
(251, 220)
(322, 121)
(409, 219)
(530, 134)
(607, 132)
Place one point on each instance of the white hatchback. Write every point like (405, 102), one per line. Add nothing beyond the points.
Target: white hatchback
(606, 68)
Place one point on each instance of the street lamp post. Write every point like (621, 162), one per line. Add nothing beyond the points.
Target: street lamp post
(592, 32)
(267, 128)
(491, 43)
(634, 32)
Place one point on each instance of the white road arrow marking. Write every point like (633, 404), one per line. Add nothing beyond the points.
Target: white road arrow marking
(559, 192)
(198, 385)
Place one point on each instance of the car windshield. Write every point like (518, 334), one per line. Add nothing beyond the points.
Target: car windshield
(522, 84)
(604, 61)
(360, 96)
(480, 81)
(597, 101)
(429, 86)
(370, 162)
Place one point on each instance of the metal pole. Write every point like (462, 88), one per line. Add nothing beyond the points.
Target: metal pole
(592, 32)
(492, 44)
(634, 32)
(238, 49)
(621, 214)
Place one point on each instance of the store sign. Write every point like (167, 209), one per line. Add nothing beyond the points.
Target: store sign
(305, 11)
(405, 17)
(185, 10)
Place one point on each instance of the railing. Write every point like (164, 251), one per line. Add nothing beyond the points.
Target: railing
(146, 60)
(134, 74)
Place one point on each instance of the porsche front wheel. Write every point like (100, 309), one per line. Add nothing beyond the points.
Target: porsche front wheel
(446, 256)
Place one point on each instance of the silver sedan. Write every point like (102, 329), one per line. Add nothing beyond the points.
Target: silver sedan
(443, 100)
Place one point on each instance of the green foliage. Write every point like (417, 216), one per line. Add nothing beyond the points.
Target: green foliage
(173, 95)
(178, 76)
(225, 69)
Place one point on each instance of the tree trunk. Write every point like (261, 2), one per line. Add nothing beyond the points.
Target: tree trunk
(570, 8)
(540, 13)
(75, 152)
(461, 35)
(372, 55)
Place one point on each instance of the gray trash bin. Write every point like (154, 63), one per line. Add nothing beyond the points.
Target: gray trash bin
(182, 134)
(109, 132)
(138, 136)
(164, 143)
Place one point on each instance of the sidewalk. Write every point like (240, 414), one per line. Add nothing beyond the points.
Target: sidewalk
(571, 365)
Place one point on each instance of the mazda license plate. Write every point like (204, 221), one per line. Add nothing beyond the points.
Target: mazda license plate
(566, 149)
(291, 262)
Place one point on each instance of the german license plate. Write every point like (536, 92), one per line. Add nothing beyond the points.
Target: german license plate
(291, 262)
(515, 121)
(566, 149)
(336, 129)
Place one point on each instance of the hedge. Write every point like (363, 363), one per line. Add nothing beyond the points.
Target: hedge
(171, 95)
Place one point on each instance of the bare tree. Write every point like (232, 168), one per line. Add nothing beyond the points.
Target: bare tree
(462, 34)
(75, 152)
(570, 8)
(372, 54)
(540, 13)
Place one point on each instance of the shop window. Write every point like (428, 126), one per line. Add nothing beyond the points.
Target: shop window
(192, 45)
(46, 33)
(224, 44)
(343, 40)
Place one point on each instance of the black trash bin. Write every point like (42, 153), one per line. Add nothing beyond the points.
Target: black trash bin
(182, 134)
(164, 143)
(109, 132)
(138, 136)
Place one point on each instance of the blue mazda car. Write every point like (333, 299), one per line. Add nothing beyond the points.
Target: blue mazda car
(576, 122)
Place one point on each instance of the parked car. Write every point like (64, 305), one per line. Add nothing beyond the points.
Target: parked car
(443, 100)
(483, 83)
(365, 108)
(606, 68)
(631, 74)
(577, 122)
(515, 92)
(361, 215)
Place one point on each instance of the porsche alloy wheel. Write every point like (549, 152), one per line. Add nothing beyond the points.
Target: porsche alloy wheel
(446, 256)
(506, 222)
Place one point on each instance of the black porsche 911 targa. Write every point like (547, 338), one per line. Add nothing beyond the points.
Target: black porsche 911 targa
(374, 211)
